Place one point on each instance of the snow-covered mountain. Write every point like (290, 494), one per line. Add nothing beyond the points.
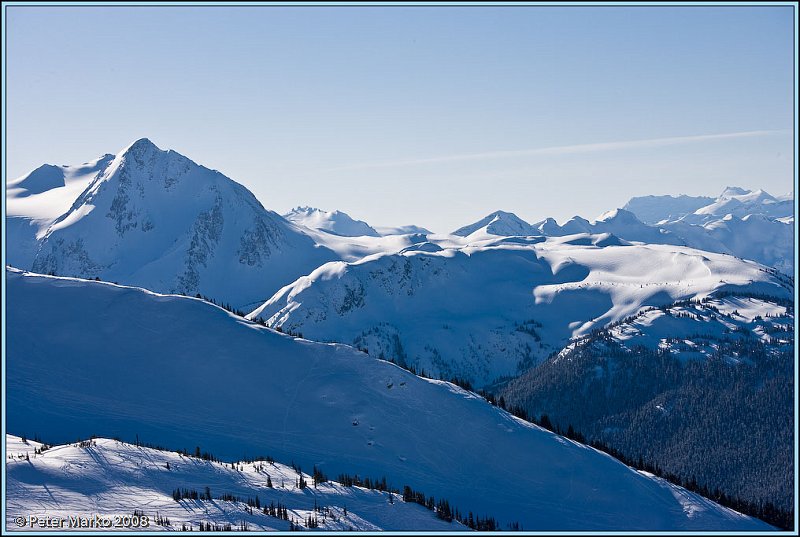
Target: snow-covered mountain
(618, 222)
(335, 222)
(156, 219)
(496, 307)
(109, 477)
(498, 223)
(757, 237)
(180, 372)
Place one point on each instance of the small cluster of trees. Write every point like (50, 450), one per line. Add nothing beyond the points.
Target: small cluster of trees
(185, 494)
(367, 483)
(162, 520)
(179, 494)
(223, 305)
(207, 526)
(280, 329)
(445, 512)
(276, 511)
(318, 476)
(204, 455)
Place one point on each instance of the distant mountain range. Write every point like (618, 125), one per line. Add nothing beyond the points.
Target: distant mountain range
(155, 218)
(746, 224)
(735, 201)
(562, 319)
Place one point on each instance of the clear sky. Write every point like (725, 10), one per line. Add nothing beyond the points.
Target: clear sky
(434, 116)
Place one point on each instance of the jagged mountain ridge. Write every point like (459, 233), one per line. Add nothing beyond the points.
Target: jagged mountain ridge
(336, 222)
(736, 201)
(750, 225)
(327, 406)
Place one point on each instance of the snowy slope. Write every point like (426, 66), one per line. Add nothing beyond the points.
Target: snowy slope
(156, 219)
(498, 306)
(757, 237)
(179, 372)
(109, 477)
(36, 200)
(335, 222)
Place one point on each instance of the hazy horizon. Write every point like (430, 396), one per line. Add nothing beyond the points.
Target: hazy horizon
(434, 116)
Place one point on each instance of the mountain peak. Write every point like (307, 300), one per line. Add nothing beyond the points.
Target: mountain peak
(305, 209)
(618, 215)
(140, 147)
(143, 142)
(500, 223)
(731, 191)
(499, 213)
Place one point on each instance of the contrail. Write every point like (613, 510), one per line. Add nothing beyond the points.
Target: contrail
(563, 149)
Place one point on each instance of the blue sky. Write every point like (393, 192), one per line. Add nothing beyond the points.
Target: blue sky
(427, 115)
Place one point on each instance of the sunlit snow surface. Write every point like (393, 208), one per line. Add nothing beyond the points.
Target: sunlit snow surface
(484, 308)
(109, 477)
